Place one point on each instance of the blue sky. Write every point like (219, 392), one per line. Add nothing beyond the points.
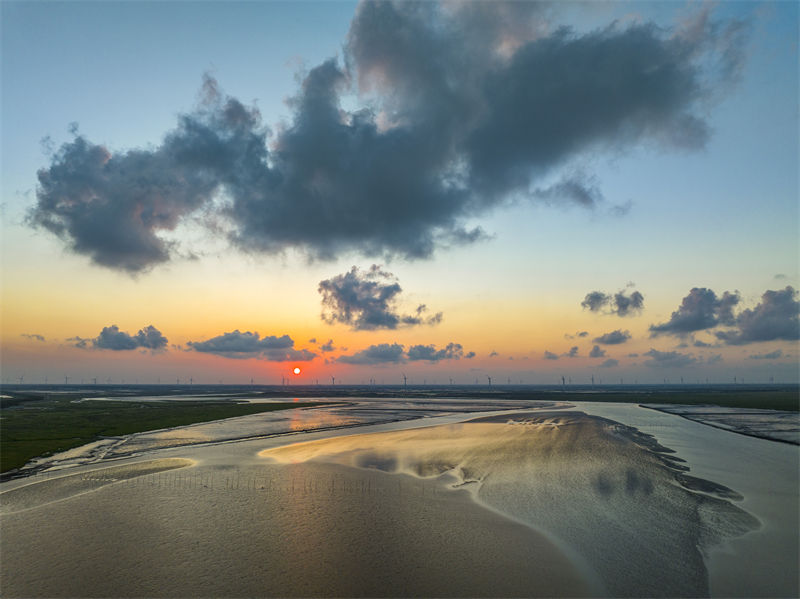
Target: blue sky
(723, 216)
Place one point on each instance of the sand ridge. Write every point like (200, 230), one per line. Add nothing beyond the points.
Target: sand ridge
(621, 502)
(43, 492)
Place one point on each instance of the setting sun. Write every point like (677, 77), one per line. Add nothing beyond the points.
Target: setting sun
(296, 370)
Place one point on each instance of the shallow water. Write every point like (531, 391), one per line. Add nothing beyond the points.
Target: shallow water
(354, 412)
(760, 563)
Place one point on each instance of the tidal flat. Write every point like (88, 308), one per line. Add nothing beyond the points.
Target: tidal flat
(475, 499)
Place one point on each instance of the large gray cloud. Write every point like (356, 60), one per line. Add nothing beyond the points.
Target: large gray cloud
(470, 105)
(367, 301)
(776, 317)
(613, 338)
(620, 303)
(699, 310)
(383, 353)
(251, 345)
(112, 338)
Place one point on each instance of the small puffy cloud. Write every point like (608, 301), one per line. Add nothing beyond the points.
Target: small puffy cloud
(240, 345)
(572, 353)
(610, 363)
(79, 342)
(700, 343)
(382, 353)
(613, 338)
(624, 305)
(597, 352)
(595, 301)
(699, 310)
(112, 338)
(776, 317)
(33, 336)
(621, 303)
(669, 359)
(550, 355)
(469, 355)
(773, 355)
(577, 334)
(633, 355)
(312, 340)
(151, 338)
(366, 301)
(327, 347)
(453, 351)
(493, 354)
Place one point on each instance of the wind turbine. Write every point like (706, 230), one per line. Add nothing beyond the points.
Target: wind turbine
(405, 380)
(490, 380)
(333, 380)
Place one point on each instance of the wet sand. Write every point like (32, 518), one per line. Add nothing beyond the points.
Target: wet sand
(534, 504)
(618, 504)
(269, 530)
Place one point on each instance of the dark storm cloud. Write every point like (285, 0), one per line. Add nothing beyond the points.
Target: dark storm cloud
(699, 310)
(251, 345)
(33, 336)
(367, 301)
(597, 352)
(112, 338)
(777, 317)
(620, 303)
(382, 353)
(613, 338)
(670, 359)
(773, 355)
(610, 363)
(453, 351)
(470, 105)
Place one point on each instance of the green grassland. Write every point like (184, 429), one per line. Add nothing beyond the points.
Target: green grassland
(31, 427)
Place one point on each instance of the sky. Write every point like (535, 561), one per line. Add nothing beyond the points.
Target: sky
(226, 192)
